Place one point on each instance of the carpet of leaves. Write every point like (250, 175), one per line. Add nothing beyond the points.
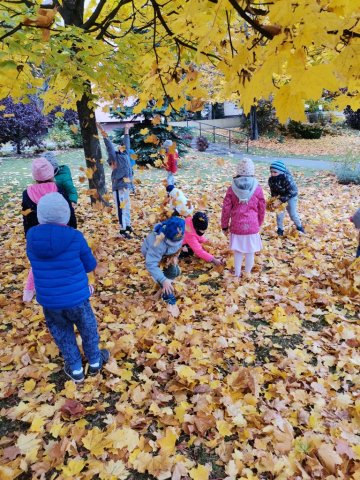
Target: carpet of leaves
(257, 379)
(339, 145)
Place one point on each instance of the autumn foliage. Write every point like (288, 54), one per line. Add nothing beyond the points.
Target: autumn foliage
(254, 380)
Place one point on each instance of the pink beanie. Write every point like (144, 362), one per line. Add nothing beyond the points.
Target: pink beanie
(245, 168)
(42, 170)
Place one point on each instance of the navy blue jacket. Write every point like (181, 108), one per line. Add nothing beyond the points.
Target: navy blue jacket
(60, 258)
(283, 186)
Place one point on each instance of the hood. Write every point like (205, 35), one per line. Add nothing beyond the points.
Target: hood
(38, 190)
(244, 187)
(49, 240)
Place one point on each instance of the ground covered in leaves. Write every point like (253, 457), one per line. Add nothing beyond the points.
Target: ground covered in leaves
(326, 146)
(254, 380)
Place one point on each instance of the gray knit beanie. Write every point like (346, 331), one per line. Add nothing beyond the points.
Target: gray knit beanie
(51, 157)
(53, 208)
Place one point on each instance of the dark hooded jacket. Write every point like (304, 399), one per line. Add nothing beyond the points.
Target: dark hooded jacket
(283, 186)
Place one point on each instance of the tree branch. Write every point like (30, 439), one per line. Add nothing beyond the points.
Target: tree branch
(256, 26)
(95, 15)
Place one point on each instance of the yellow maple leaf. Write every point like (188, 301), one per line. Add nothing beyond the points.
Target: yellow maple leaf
(124, 438)
(95, 442)
(37, 424)
(29, 385)
(224, 428)
(167, 443)
(69, 389)
(114, 470)
(200, 473)
(185, 372)
(29, 445)
(144, 131)
(73, 467)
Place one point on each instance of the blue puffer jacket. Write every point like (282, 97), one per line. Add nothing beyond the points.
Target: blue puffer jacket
(60, 258)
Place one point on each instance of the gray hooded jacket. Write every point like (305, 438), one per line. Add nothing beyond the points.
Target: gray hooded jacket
(121, 176)
(155, 253)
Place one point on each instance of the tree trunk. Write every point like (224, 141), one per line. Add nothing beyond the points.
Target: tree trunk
(92, 147)
(72, 11)
(18, 147)
(254, 131)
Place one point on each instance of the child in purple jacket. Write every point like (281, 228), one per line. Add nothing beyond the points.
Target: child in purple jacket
(243, 212)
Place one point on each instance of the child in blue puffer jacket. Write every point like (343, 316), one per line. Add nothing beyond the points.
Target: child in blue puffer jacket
(61, 258)
(163, 244)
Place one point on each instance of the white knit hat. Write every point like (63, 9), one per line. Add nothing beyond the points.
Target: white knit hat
(53, 208)
(245, 168)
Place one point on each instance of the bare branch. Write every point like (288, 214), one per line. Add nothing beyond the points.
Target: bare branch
(256, 26)
(95, 15)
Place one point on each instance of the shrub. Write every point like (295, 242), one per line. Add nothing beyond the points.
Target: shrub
(64, 135)
(266, 117)
(202, 144)
(348, 171)
(304, 130)
(352, 117)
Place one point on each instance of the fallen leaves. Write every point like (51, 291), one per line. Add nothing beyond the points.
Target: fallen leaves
(254, 379)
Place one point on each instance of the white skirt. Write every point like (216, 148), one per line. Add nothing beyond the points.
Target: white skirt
(246, 243)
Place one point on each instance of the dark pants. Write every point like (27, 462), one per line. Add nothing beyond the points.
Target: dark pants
(61, 325)
(171, 272)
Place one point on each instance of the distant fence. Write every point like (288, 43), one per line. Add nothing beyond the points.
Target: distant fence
(216, 134)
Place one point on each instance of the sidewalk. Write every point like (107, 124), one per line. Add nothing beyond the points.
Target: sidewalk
(218, 149)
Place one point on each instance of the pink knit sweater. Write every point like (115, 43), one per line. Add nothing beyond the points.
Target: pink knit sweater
(244, 218)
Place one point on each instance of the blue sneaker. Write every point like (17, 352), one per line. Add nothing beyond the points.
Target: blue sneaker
(104, 357)
(75, 377)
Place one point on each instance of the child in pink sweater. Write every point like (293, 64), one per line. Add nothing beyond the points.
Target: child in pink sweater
(194, 238)
(244, 211)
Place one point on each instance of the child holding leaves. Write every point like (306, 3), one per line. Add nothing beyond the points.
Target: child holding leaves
(283, 186)
(243, 213)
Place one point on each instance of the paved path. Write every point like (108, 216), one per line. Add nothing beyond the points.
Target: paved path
(219, 149)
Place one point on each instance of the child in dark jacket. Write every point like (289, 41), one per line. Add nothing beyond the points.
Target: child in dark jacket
(163, 244)
(355, 219)
(61, 258)
(43, 174)
(63, 178)
(283, 186)
(121, 179)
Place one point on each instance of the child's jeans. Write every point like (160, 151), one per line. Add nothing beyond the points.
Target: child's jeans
(61, 325)
(291, 208)
(171, 272)
(170, 179)
(122, 202)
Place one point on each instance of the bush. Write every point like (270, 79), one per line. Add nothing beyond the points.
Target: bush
(304, 130)
(352, 117)
(202, 144)
(64, 135)
(348, 171)
(266, 118)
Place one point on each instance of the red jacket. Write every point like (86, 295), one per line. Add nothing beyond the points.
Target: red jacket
(171, 162)
(244, 218)
(194, 241)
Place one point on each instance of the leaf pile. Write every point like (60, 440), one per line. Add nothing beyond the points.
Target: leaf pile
(256, 379)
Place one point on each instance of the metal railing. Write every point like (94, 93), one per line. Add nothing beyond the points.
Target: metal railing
(231, 137)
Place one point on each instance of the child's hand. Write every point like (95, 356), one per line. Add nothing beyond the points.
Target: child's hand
(101, 130)
(218, 261)
(168, 286)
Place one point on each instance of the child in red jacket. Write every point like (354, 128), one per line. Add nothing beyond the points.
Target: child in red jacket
(171, 161)
(194, 239)
(244, 210)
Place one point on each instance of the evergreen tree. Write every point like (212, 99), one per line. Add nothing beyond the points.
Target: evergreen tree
(147, 137)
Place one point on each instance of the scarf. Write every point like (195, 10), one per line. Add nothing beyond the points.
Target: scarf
(244, 188)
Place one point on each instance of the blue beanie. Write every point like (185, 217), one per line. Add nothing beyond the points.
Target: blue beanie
(173, 229)
(278, 166)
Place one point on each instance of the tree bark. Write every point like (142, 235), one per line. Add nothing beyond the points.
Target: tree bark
(72, 11)
(92, 147)
(254, 131)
